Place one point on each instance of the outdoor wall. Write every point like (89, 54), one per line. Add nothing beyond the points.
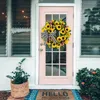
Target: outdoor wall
(8, 64)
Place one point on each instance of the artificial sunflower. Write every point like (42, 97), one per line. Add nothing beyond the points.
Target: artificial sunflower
(53, 45)
(51, 30)
(66, 41)
(47, 26)
(49, 44)
(43, 29)
(58, 27)
(62, 31)
(63, 38)
(67, 29)
(56, 23)
(62, 23)
(59, 39)
(68, 35)
(57, 45)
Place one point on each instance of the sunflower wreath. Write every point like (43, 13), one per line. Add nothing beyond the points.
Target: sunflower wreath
(55, 33)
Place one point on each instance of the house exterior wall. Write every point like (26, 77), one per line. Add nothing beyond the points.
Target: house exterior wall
(8, 64)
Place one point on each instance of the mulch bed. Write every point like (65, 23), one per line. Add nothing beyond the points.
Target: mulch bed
(4, 95)
(85, 97)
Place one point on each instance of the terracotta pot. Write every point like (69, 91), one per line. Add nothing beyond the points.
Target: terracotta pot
(19, 90)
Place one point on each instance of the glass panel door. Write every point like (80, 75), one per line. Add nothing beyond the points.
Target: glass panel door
(55, 65)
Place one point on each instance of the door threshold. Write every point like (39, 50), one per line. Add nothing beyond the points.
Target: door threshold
(54, 87)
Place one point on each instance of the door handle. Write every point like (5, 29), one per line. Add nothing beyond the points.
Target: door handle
(40, 49)
(41, 44)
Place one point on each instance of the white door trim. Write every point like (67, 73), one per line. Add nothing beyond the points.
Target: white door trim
(37, 36)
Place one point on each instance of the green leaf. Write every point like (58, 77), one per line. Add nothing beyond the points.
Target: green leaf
(8, 76)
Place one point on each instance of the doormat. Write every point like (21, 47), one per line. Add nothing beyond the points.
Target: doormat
(55, 95)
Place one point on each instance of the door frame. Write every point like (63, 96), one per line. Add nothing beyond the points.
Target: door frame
(37, 36)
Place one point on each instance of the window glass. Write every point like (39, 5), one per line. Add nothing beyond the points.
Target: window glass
(90, 34)
(3, 21)
(21, 27)
(21, 13)
(21, 43)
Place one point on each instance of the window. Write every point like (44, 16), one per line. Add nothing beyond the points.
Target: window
(20, 27)
(3, 22)
(56, 1)
(90, 34)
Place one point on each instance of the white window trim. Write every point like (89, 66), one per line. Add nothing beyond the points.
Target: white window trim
(8, 42)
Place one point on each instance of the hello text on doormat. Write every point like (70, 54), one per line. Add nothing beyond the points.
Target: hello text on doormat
(46, 95)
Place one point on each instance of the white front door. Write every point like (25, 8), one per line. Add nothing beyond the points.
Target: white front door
(56, 66)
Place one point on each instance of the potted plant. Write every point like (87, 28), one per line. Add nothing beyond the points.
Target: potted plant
(19, 81)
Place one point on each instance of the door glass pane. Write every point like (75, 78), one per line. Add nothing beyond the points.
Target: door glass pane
(63, 57)
(63, 17)
(56, 1)
(55, 57)
(47, 48)
(48, 57)
(55, 16)
(48, 17)
(62, 70)
(48, 70)
(55, 70)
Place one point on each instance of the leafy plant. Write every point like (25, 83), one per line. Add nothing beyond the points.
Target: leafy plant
(89, 82)
(19, 75)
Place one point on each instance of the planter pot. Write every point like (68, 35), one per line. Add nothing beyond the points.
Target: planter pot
(19, 90)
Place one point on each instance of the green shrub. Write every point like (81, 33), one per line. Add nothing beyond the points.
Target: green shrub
(19, 75)
(89, 82)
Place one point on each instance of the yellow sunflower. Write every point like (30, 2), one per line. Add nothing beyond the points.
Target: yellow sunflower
(66, 41)
(49, 44)
(51, 30)
(67, 29)
(68, 35)
(62, 31)
(52, 21)
(58, 27)
(62, 22)
(47, 26)
(59, 39)
(57, 45)
(56, 23)
(63, 38)
(43, 29)
(53, 45)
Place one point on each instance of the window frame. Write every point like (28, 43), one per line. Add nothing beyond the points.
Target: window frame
(84, 56)
(10, 30)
